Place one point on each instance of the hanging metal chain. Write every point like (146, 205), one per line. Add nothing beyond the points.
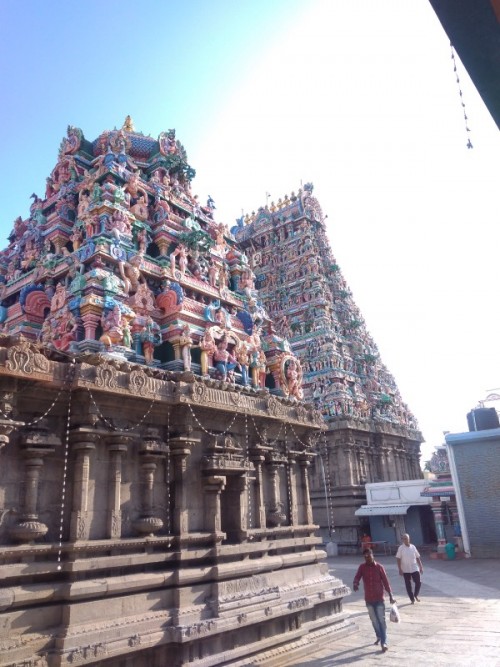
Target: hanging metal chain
(466, 119)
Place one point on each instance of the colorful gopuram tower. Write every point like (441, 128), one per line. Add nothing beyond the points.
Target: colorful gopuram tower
(154, 450)
(372, 436)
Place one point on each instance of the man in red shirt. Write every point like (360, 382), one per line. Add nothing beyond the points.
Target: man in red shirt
(374, 582)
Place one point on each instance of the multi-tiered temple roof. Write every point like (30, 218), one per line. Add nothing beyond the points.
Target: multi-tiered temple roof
(120, 257)
(302, 287)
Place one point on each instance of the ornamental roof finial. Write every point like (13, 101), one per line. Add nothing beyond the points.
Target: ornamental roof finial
(128, 125)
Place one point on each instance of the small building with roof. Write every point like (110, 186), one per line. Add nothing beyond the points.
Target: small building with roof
(394, 508)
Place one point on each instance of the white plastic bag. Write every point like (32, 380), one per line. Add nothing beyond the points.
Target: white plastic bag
(394, 614)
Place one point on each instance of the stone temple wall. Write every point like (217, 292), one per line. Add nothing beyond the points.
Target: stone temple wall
(155, 504)
(151, 517)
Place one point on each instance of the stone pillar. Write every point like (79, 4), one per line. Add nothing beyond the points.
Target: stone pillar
(384, 457)
(90, 321)
(389, 462)
(292, 492)
(29, 528)
(214, 485)
(147, 523)
(275, 514)
(82, 443)
(349, 480)
(180, 449)
(117, 445)
(152, 450)
(439, 523)
(243, 514)
(415, 467)
(304, 473)
(260, 521)
(36, 444)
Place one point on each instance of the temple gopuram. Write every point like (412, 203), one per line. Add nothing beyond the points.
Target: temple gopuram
(372, 435)
(154, 445)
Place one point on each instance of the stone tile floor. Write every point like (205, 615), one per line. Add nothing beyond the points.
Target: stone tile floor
(457, 622)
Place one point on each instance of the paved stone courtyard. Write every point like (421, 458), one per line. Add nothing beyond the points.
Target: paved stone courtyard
(456, 623)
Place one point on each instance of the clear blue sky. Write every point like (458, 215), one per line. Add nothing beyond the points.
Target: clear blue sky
(357, 96)
(89, 64)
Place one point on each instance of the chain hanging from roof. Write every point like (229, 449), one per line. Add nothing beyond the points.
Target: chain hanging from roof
(466, 119)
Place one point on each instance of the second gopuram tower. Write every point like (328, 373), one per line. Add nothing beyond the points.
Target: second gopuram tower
(372, 435)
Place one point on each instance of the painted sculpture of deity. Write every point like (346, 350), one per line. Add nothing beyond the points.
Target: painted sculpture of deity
(181, 252)
(186, 343)
(207, 346)
(243, 359)
(224, 361)
(150, 337)
(294, 379)
(258, 367)
(112, 326)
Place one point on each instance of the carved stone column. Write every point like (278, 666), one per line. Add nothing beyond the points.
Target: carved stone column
(275, 514)
(348, 454)
(117, 445)
(437, 510)
(384, 458)
(147, 524)
(292, 490)
(90, 321)
(304, 473)
(258, 461)
(82, 443)
(35, 446)
(214, 485)
(243, 514)
(180, 449)
(152, 450)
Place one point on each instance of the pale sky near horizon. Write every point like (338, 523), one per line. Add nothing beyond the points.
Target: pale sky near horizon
(357, 96)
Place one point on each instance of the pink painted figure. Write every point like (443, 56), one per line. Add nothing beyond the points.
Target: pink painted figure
(112, 326)
(293, 379)
(83, 204)
(223, 276)
(258, 366)
(220, 241)
(207, 346)
(150, 337)
(186, 343)
(59, 298)
(76, 238)
(131, 273)
(183, 259)
(223, 359)
(65, 330)
(247, 282)
(213, 274)
(142, 240)
(140, 209)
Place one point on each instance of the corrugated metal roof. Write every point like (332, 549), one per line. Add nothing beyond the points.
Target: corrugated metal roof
(381, 510)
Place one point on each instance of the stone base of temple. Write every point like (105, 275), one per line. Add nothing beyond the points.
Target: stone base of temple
(262, 611)
(155, 519)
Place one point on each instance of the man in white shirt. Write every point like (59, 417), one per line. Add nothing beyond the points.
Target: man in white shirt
(410, 567)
